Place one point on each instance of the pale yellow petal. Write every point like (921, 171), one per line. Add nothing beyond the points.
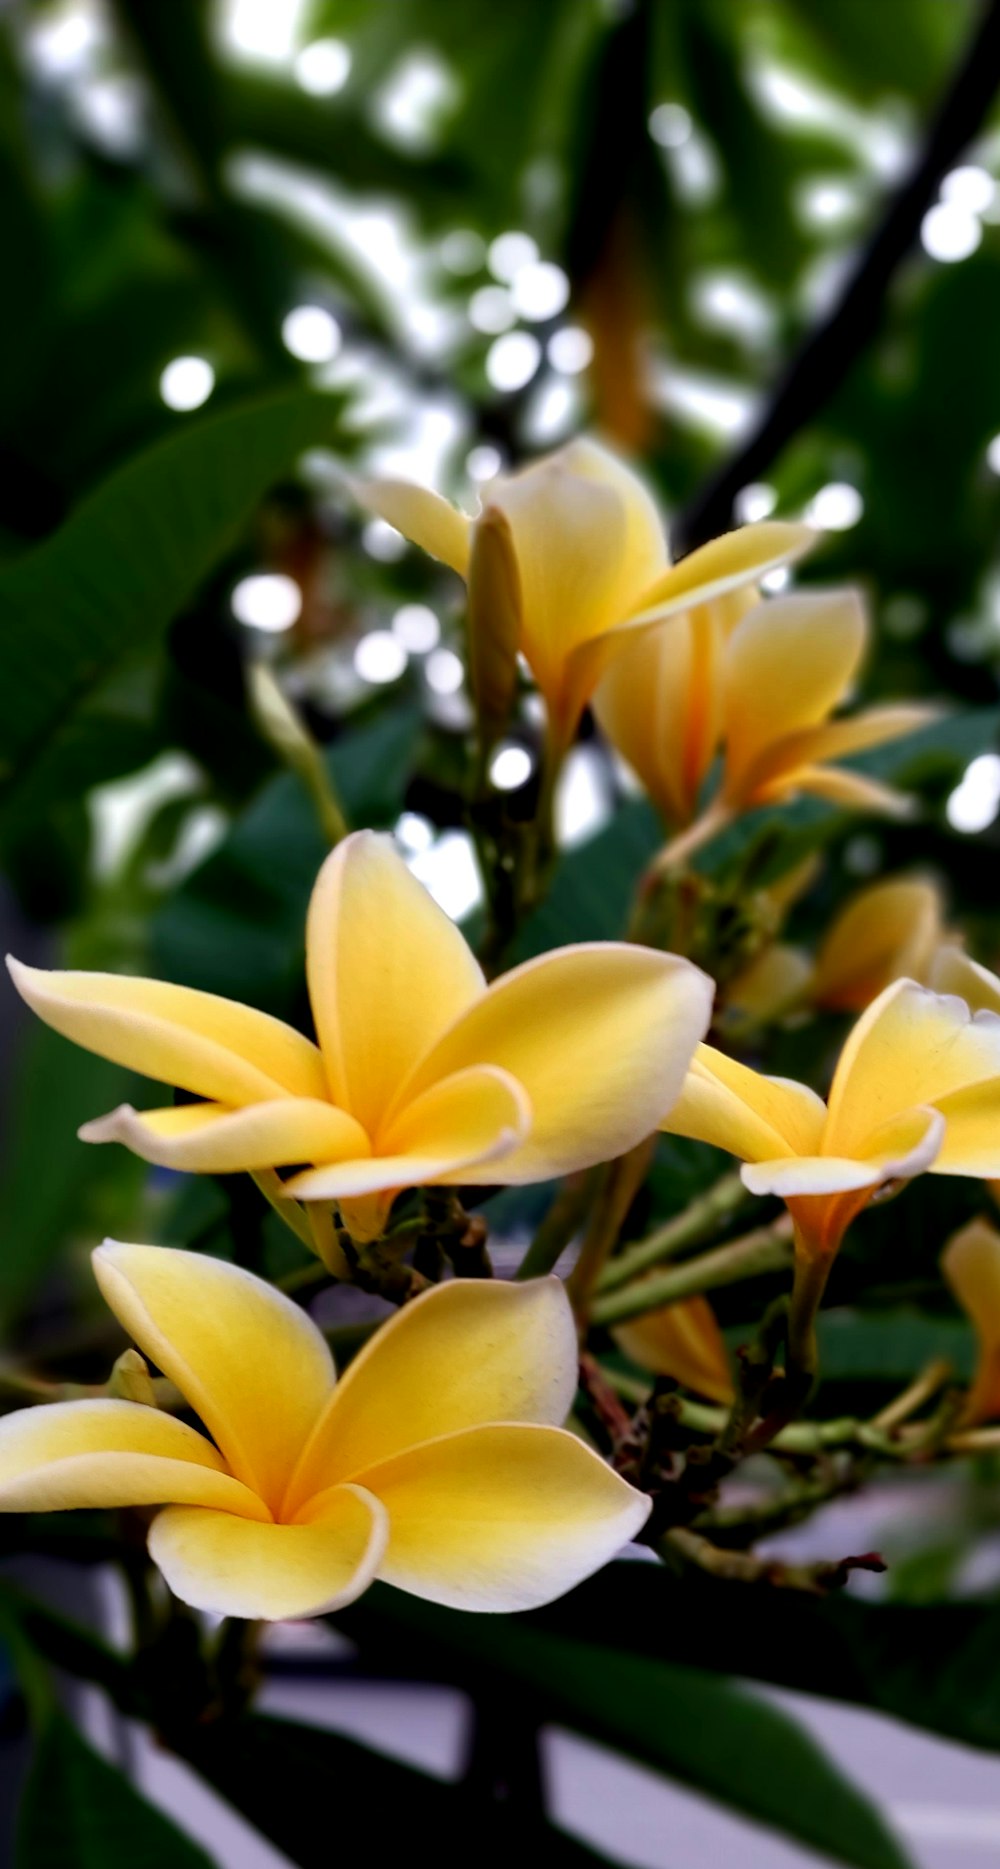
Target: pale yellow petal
(971, 1265)
(659, 702)
(971, 1143)
(228, 1567)
(388, 972)
(952, 971)
(252, 1365)
(466, 1353)
(900, 1148)
(855, 790)
(456, 1132)
(646, 544)
(788, 664)
(886, 932)
(501, 1518)
(599, 1036)
(725, 564)
(910, 1047)
(570, 535)
(682, 1341)
(423, 517)
(209, 1046)
(833, 739)
(108, 1453)
(756, 1118)
(208, 1138)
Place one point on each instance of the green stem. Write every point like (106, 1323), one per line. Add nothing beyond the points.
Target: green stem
(623, 1178)
(269, 1183)
(564, 1218)
(761, 1251)
(714, 819)
(704, 1215)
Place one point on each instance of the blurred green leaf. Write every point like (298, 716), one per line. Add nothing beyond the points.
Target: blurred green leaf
(131, 554)
(237, 926)
(54, 1189)
(79, 1812)
(707, 1732)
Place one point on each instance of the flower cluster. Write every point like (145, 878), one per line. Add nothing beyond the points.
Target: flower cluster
(439, 1461)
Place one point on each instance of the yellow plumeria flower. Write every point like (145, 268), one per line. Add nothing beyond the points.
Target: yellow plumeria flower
(683, 1341)
(762, 681)
(422, 1073)
(892, 930)
(971, 1265)
(565, 560)
(889, 931)
(917, 1087)
(437, 1462)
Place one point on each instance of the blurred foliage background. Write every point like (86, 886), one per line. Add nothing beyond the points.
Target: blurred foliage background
(253, 245)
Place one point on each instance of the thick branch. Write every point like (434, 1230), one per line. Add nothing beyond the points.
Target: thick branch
(827, 353)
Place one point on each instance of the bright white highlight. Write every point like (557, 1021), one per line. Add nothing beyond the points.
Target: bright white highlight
(410, 106)
(670, 125)
(323, 67)
(949, 232)
(993, 455)
(268, 601)
(509, 253)
(261, 30)
(512, 361)
(448, 870)
(186, 383)
(583, 797)
(417, 628)
(413, 832)
(444, 671)
(969, 187)
(974, 803)
(753, 502)
(835, 508)
(484, 462)
(540, 291)
(510, 767)
(382, 541)
(379, 657)
(570, 350)
(491, 310)
(311, 333)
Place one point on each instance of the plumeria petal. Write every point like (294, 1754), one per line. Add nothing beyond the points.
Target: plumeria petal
(855, 790)
(208, 1138)
(774, 981)
(682, 1341)
(723, 565)
(788, 664)
(423, 517)
(388, 973)
(971, 1265)
(887, 931)
(833, 739)
(901, 1147)
(600, 1037)
(109, 1453)
(753, 1116)
(501, 1517)
(209, 1046)
(457, 1131)
(971, 1143)
(252, 1365)
(230, 1567)
(463, 1354)
(954, 972)
(910, 1047)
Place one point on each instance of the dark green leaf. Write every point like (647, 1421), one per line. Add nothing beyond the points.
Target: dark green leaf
(130, 555)
(81, 1813)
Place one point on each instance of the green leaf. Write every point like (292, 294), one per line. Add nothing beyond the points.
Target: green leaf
(237, 926)
(936, 1666)
(113, 577)
(54, 1189)
(705, 1731)
(78, 1812)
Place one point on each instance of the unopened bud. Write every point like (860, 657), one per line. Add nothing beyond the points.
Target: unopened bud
(284, 729)
(494, 626)
(130, 1380)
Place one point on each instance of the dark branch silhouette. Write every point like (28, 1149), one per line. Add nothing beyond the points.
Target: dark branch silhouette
(827, 353)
